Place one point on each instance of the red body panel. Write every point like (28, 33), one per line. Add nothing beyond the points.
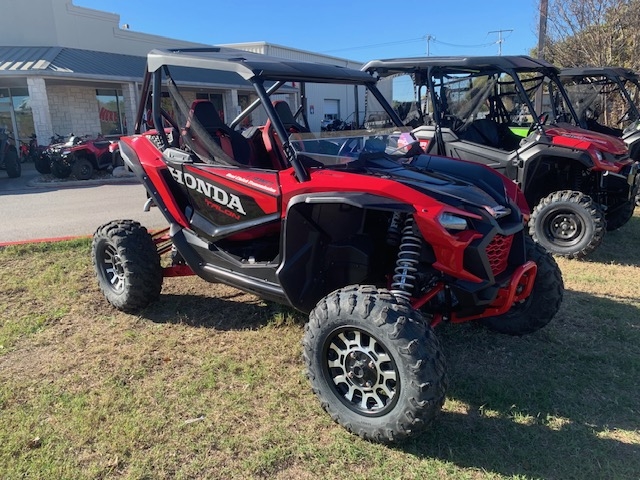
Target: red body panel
(448, 248)
(592, 142)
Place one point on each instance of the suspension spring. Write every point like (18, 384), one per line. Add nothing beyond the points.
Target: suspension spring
(404, 277)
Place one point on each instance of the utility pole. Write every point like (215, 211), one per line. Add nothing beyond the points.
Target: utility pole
(500, 39)
(429, 38)
(542, 28)
(542, 39)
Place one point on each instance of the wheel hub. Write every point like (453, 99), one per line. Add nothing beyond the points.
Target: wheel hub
(565, 226)
(113, 268)
(361, 369)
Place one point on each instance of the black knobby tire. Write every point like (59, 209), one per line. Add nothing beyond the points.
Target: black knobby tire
(621, 215)
(12, 163)
(127, 265)
(82, 168)
(43, 164)
(568, 223)
(60, 169)
(374, 363)
(542, 305)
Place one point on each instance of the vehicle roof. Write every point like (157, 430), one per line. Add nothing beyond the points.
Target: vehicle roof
(458, 64)
(599, 71)
(254, 65)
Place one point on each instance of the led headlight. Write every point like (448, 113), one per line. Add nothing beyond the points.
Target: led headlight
(452, 222)
(598, 155)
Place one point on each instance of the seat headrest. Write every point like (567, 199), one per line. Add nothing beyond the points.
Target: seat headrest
(286, 116)
(206, 114)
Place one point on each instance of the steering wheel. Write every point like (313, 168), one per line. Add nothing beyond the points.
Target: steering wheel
(543, 118)
(624, 117)
(351, 147)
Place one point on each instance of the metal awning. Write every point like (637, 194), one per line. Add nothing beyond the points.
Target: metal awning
(73, 63)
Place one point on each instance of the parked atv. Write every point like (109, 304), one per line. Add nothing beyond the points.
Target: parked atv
(578, 183)
(606, 100)
(82, 157)
(376, 241)
(9, 159)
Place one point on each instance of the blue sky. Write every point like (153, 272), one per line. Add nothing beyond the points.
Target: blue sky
(354, 29)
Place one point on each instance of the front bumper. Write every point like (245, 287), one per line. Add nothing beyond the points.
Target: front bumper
(623, 184)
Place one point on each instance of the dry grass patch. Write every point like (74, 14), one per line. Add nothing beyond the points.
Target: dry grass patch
(208, 383)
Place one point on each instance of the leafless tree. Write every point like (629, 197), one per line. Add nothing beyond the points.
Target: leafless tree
(593, 32)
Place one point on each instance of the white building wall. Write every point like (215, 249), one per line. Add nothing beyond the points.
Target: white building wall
(37, 23)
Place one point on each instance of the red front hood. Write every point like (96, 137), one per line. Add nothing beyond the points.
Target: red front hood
(570, 136)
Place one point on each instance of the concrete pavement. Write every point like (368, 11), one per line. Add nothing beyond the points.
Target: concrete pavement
(34, 207)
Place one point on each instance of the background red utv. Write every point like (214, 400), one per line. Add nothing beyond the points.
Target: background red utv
(513, 114)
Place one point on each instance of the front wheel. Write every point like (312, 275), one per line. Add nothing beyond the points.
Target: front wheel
(127, 265)
(12, 163)
(374, 363)
(82, 168)
(541, 306)
(60, 168)
(568, 223)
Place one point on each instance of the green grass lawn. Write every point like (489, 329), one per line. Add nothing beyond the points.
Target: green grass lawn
(208, 383)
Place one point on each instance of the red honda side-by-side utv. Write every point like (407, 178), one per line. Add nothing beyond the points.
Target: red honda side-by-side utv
(376, 241)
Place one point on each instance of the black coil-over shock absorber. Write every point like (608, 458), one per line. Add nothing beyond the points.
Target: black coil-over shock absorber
(407, 262)
(393, 232)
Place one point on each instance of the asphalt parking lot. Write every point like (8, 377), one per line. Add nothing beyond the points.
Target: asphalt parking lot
(35, 208)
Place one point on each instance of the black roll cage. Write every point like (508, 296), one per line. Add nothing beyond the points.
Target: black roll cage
(425, 69)
(257, 69)
(611, 76)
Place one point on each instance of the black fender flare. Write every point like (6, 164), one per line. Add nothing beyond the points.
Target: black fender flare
(305, 242)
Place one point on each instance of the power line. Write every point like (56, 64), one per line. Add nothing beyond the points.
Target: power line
(464, 46)
(428, 37)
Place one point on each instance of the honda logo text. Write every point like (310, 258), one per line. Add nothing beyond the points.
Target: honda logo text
(217, 194)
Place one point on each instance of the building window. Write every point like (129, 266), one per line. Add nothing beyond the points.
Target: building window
(216, 99)
(15, 112)
(112, 116)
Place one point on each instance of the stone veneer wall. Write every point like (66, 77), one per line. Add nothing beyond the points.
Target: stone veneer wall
(74, 109)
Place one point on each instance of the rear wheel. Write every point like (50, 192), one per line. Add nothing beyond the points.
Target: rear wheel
(82, 168)
(42, 164)
(568, 223)
(374, 363)
(127, 265)
(541, 306)
(621, 215)
(12, 163)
